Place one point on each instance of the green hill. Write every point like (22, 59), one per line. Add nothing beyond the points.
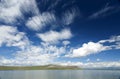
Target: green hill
(46, 67)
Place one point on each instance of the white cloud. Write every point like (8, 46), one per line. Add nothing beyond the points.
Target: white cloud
(54, 36)
(88, 49)
(66, 42)
(94, 48)
(10, 36)
(9, 13)
(11, 10)
(40, 21)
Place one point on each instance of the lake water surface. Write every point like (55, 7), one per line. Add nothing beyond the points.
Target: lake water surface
(60, 74)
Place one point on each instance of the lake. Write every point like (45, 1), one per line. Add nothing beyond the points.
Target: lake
(60, 74)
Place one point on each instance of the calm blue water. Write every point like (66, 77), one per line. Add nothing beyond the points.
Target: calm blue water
(60, 74)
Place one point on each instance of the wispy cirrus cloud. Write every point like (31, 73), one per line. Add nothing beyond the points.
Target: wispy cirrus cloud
(53, 5)
(41, 21)
(69, 16)
(115, 40)
(106, 11)
(49, 18)
(13, 12)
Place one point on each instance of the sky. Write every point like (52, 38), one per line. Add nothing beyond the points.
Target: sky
(85, 33)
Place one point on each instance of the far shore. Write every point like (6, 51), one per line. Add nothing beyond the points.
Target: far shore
(46, 67)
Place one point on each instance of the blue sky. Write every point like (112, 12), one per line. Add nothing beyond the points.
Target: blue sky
(66, 32)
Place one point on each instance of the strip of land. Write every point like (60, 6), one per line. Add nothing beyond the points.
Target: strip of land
(46, 67)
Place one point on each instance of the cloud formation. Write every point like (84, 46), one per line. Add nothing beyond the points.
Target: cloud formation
(40, 21)
(10, 36)
(28, 54)
(94, 48)
(11, 10)
(46, 53)
(34, 55)
(37, 55)
(14, 11)
(54, 36)
(50, 19)
(87, 49)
